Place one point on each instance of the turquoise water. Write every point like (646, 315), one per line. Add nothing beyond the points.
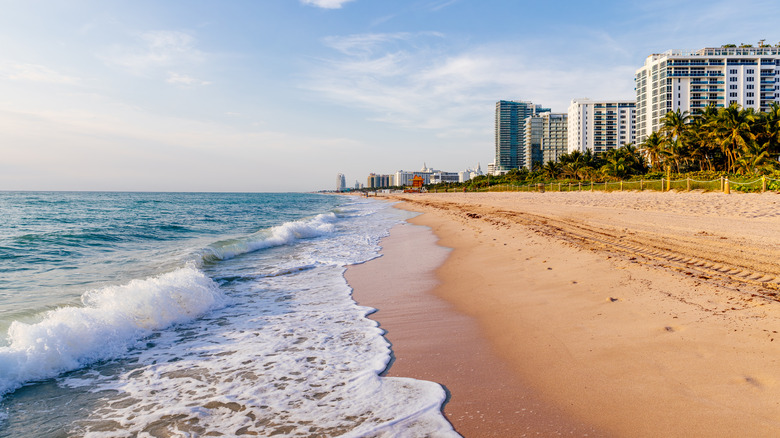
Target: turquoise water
(188, 314)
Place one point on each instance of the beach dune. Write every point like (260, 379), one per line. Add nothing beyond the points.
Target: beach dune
(606, 314)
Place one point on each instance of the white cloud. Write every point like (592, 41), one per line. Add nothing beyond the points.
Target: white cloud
(154, 50)
(326, 4)
(34, 73)
(415, 81)
(178, 79)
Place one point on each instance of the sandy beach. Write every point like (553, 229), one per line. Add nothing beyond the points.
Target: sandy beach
(599, 314)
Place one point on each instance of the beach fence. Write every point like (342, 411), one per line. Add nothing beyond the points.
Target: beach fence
(723, 184)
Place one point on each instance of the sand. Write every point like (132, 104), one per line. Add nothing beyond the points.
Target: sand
(625, 314)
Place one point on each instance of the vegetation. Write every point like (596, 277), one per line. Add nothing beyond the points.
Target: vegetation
(730, 139)
(710, 144)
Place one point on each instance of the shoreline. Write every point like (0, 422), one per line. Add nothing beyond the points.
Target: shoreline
(641, 314)
(432, 341)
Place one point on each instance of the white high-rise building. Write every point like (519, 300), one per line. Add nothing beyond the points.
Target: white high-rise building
(545, 138)
(341, 182)
(690, 81)
(601, 125)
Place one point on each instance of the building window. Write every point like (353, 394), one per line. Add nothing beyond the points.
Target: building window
(733, 79)
(750, 94)
(749, 79)
(732, 101)
(750, 71)
(751, 87)
(733, 87)
(750, 102)
(733, 71)
(732, 94)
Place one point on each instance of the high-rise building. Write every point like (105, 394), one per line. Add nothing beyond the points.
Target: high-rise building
(601, 125)
(545, 138)
(341, 182)
(376, 181)
(510, 133)
(690, 81)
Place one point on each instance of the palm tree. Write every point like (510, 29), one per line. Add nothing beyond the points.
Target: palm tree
(701, 142)
(551, 170)
(675, 128)
(615, 168)
(755, 160)
(770, 132)
(653, 150)
(675, 124)
(733, 132)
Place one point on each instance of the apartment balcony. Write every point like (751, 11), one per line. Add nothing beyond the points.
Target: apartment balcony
(767, 81)
(768, 88)
(693, 63)
(767, 73)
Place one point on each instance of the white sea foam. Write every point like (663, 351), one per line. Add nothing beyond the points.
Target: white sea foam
(110, 322)
(294, 356)
(284, 234)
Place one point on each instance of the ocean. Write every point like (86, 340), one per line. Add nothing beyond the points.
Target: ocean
(196, 314)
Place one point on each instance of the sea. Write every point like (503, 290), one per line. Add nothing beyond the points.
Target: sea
(194, 315)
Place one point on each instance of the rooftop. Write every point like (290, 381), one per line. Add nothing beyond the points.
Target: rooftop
(718, 51)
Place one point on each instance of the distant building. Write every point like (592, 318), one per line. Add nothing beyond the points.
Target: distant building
(510, 135)
(545, 138)
(376, 181)
(470, 173)
(690, 81)
(341, 182)
(444, 177)
(601, 125)
(403, 178)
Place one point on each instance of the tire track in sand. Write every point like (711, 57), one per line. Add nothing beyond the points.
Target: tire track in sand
(701, 255)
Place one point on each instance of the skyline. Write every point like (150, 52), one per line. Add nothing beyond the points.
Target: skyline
(285, 94)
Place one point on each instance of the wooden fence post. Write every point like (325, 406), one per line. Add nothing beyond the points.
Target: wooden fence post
(763, 183)
(727, 189)
(668, 178)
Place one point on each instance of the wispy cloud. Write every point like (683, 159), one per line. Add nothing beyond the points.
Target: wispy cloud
(362, 45)
(34, 73)
(155, 49)
(417, 81)
(438, 5)
(326, 4)
(179, 79)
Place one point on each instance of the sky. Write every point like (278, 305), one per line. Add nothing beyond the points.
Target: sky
(282, 95)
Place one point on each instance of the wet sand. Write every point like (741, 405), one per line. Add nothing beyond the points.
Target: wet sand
(626, 314)
(432, 341)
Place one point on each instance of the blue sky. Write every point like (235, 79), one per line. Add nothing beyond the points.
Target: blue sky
(278, 95)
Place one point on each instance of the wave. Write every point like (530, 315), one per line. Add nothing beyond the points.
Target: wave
(110, 322)
(284, 234)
